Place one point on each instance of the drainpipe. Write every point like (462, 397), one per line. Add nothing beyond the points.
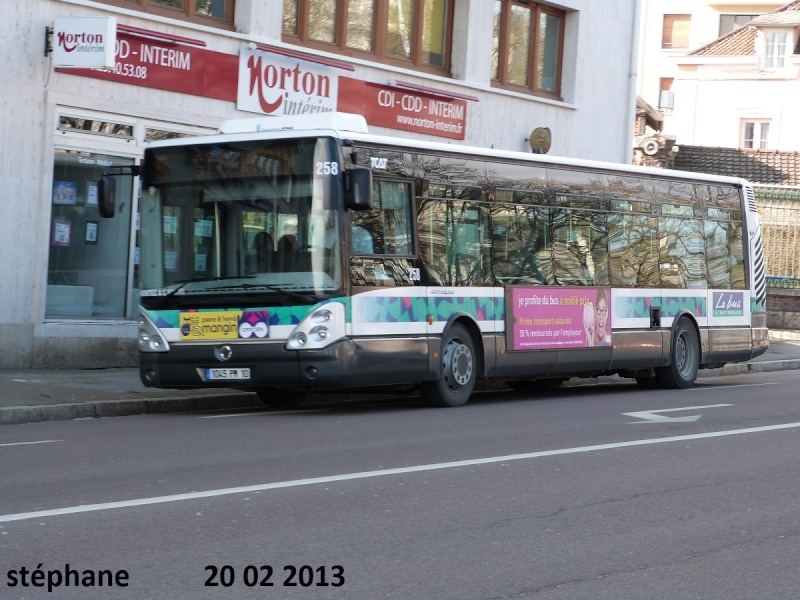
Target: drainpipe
(633, 74)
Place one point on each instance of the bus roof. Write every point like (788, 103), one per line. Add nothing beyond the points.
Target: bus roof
(354, 128)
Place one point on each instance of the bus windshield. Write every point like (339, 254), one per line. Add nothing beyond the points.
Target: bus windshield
(242, 218)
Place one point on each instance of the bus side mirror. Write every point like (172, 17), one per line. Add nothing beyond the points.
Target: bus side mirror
(107, 196)
(358, 192)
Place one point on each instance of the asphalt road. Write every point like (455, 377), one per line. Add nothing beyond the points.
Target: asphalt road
(578, 494)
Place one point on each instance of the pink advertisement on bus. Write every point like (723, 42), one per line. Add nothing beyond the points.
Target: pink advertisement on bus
(557, 318)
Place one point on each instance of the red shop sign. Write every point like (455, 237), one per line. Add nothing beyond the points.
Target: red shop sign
(169, 66)
(398, 108)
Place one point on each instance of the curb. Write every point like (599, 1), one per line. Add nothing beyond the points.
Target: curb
(18, 415)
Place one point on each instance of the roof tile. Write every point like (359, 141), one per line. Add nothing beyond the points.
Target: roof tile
(757, 166)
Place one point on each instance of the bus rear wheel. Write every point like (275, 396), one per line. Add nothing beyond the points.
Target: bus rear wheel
(685, 358)
(458, 370)
(279, 398)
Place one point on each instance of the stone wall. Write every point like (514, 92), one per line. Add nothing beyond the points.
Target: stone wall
(783, 309)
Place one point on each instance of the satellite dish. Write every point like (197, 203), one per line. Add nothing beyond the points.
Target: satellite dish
(540, 140)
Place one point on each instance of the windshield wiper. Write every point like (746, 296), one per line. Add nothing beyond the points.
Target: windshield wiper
(254, 286)
(183, 283)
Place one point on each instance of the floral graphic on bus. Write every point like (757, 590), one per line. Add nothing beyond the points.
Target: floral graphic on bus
(254, 323)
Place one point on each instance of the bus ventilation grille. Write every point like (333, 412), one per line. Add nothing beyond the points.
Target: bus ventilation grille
(760, 281)
(751, 199)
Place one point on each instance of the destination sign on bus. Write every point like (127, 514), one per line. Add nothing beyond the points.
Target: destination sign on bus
(182, 164)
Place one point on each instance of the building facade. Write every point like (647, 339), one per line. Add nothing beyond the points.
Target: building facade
(697, 110)
(726, 78)
(443, 70)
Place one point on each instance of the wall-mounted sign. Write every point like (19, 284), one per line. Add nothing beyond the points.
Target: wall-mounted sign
(540, 140)
(399, 108)
(167, 66)
(272, 84)
(84, 42)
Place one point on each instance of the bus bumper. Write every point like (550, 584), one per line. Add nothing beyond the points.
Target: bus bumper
(270, 364)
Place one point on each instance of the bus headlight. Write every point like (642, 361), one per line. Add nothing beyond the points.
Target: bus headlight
(150, 338)
(320, 329)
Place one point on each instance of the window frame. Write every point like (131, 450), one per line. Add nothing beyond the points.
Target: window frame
(726, 19)
(758, 141)
(379, 35)
(186, 13)
(776, 50)
(503, 45)
(670, 23)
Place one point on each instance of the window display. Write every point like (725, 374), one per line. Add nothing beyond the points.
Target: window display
(87, 272)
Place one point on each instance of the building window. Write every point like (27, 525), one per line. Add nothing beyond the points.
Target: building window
(755, 134)
(675, 32)
(775, 48)
(217, 13)
(528, 47)
(729, 23)
(666, 98)
(409, 33)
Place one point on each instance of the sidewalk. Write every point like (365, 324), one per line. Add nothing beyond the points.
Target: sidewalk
(33, 396)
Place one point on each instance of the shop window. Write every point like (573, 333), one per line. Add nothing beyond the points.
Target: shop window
(528, 47)
(96, 126)
(153, 135)
(217, 13)
(410, 33)
(87, 273)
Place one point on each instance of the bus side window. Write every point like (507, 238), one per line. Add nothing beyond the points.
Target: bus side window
(725, 252)
(682, 257)
(386, 227)
(454, 242)
(633, 250)
(521, 245)
(579, 247)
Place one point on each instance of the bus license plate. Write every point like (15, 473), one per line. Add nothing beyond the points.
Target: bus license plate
(227, 374)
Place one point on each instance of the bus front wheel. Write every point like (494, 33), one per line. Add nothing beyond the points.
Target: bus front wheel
(685, 358)
(458, 370)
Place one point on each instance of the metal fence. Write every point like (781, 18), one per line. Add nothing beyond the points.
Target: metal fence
(779, 213)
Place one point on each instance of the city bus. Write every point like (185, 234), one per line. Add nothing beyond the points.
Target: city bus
(293, 255)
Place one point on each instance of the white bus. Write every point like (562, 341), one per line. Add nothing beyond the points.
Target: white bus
(285, 257)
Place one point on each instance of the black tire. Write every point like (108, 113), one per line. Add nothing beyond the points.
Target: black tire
(278, 398)
(459, 370)
(684, 358)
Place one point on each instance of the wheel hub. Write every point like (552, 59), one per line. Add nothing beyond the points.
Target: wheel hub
(458, 364)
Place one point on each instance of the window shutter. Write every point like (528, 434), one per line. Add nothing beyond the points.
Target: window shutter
(675, 33)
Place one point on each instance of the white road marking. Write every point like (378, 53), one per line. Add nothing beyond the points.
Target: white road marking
(650, 416)
(703, 388)
(69, 510)
(36, 442)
